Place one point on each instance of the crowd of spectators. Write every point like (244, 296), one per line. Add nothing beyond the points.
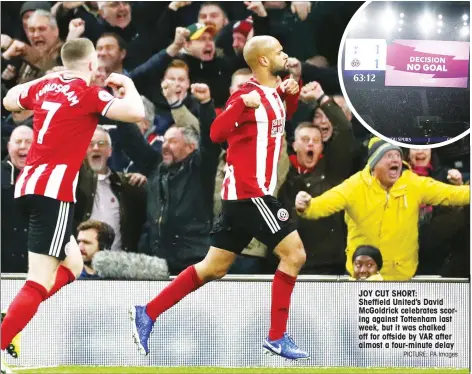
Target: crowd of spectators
(397, 112)
(156, 183)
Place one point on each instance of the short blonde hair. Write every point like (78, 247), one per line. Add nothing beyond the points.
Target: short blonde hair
(75, 51)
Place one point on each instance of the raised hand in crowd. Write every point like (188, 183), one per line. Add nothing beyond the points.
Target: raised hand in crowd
(5, 41)
(176, 5)
(136, 179)
(294, 67)
(201, 92)
(9, 73)
(181, 36)
(76, 28)
(252, 99)
(454, 177)
(302, 201)
(20, 49)
(312, 92)
(15, 49)
(301, 8)
(169, 91)
(257, 7)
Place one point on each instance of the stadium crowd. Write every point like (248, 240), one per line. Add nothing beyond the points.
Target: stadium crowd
(148, 192)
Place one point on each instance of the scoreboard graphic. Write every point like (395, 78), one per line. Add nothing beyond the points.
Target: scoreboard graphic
(406, 63)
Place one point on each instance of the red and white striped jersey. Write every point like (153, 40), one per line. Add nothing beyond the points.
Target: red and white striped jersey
(66, 113)
(254, 139)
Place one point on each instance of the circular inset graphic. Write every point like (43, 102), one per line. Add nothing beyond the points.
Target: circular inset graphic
(404, 71)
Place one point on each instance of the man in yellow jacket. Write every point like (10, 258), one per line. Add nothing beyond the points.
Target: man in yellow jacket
(381, 205)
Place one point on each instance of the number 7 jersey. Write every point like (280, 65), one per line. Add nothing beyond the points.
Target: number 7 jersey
(65, 115)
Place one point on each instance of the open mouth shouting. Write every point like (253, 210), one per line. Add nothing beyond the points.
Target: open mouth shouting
(394, 171)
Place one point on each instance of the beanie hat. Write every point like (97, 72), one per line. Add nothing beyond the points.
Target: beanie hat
(368, 250)
(377, 149)
(34, 5)
(243, 27)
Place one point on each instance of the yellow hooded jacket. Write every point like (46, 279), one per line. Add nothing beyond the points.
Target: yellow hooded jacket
(386, 220)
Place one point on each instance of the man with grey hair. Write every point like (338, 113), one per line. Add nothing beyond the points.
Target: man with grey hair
(135, 22)
(41, 55)
(115, 198)
(181, 181)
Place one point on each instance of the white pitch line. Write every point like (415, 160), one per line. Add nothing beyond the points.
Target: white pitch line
(19, 368)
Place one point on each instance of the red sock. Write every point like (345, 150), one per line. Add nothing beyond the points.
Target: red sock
(282, 287)
(63, 277)
(185, 283)
(21, 310)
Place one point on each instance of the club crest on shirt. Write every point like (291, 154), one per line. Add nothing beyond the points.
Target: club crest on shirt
(104, 96)
(277, 128)
(282, 214)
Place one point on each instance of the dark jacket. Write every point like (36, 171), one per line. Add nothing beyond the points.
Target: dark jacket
(140, 35)
(180, 197)
(132, 205)
(215, 73)
(324, 239)
(14, 227)
(441, 229)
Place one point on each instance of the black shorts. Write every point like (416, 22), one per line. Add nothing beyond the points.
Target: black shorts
(263, 218)
(50, 224)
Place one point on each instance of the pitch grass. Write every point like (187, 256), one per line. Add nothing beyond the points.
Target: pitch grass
(217, 370)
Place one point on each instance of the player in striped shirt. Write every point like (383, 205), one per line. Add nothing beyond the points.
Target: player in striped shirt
(253, 125)
(66, 113)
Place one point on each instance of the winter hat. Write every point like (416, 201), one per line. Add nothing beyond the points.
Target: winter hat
(243, 27)
(34, 5)
(368, 250)
(377, 149)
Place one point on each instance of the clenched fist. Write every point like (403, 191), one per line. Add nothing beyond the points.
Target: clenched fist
(294, 67)
(16, 48)
(201, 92)
(311, 92)
(301, 8)
(168, 90)
(181, 35)
(454, 176)
(252, 99)
(76, 28)
(136, 179)
(176, 5)
(289, 86)
(118, 82)
(302, 201)
(5, 41)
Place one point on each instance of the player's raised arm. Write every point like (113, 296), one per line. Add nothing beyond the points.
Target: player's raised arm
(128, 106)
(10, 101)
(227, 121)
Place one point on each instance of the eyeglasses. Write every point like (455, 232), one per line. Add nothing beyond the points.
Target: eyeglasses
(99, 144)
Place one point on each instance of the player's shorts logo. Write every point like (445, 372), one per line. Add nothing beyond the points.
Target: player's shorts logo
(355, 63)
(104, 96)
(282, 214)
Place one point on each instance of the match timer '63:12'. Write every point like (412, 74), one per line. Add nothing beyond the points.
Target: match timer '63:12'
(363, 78)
